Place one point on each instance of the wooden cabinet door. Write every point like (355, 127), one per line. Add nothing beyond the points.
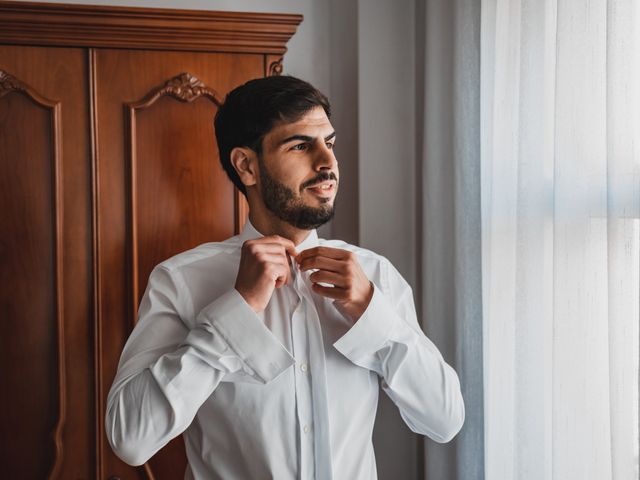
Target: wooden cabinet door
(160, 190)
(47, 407)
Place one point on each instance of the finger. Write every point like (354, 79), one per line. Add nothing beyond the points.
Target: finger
(329, 252)
(266, 253)
(267, 257)
(287, 244)
(335, 293)
(271, 244)
(322, 263)
(279, 273)
(335, 279)
(273, 248)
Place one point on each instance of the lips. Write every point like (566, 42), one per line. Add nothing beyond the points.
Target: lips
(325, 188)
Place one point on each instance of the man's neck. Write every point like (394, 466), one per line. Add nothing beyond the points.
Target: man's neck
(269, 224)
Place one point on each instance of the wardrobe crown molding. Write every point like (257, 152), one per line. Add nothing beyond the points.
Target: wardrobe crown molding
(27, 23)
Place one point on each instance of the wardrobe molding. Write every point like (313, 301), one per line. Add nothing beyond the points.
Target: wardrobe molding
(148, 28)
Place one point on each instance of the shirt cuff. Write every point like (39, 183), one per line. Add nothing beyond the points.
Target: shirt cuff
(372, 330)
(241, 328)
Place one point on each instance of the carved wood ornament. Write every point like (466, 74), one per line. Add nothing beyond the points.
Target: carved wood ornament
(9, 83)
(275, 68)
(184, 87)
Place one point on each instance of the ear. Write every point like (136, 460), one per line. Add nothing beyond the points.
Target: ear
(244, 161)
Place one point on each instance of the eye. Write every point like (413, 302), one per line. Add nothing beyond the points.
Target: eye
(299, 147)
(330, 145)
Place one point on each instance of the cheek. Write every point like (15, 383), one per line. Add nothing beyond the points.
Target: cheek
(292, 177)
(291, 171)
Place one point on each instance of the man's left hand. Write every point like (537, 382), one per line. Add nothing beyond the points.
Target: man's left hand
(351, 291)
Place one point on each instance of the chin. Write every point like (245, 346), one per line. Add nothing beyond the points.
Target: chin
(315, 201)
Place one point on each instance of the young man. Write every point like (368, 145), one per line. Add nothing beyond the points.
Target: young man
(267, 350)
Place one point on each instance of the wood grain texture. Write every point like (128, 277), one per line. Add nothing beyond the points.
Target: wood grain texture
(33, 287)
(170, 158)
(159, 169)
(29, 284)
(148, 28)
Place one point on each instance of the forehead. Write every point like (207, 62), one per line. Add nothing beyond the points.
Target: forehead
(313, 123)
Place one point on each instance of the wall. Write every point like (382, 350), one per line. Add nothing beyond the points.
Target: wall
(386, 176)
(361, 54)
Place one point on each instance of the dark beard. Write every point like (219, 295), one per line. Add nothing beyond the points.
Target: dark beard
(286, 205)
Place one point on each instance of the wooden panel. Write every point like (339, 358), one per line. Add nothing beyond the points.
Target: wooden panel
(149, 28)
(160, 190)
(179, 196)
(29, 279)
(45, 282)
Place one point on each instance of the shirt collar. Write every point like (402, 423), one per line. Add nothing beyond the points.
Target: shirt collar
(249, 232)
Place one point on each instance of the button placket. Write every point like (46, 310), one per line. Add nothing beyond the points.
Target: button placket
(304, 395)
(319, 428)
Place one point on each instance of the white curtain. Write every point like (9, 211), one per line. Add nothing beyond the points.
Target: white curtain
(560, 182)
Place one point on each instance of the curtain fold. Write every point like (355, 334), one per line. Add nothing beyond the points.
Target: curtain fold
(560, 238)
(448, 188)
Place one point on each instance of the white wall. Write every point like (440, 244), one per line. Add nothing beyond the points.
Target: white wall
(386, 137)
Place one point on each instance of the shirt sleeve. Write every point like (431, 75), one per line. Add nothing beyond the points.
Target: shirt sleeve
(167, 370)
(388, 340)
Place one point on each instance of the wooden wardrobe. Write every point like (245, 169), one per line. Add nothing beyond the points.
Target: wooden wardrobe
(108, 165)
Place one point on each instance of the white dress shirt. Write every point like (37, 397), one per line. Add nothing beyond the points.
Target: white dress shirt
(290, 393)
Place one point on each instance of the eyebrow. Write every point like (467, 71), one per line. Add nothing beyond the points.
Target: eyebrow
(305, 138)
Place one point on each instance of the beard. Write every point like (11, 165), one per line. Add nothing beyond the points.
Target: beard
(288, 206)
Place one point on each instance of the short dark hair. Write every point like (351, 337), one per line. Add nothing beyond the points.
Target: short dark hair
(251, 110)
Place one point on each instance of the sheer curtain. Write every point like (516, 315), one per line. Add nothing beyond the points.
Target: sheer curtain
(560, 182)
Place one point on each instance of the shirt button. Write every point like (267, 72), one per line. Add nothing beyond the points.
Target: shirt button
(304, 367)
(306, 429)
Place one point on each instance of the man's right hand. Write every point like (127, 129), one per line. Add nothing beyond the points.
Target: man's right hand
(264, 266)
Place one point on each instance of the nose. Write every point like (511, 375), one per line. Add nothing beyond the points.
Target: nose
(324, 159)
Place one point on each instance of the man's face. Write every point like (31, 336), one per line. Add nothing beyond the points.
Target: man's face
(299, 172)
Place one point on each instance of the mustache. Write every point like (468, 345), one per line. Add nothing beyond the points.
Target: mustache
(321, 177)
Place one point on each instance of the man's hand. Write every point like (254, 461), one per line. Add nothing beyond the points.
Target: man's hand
(264, 266)
(351, 291)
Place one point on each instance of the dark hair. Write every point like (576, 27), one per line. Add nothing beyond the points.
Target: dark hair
(251, 110)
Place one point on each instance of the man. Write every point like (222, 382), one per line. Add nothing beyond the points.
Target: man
(267, 350)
